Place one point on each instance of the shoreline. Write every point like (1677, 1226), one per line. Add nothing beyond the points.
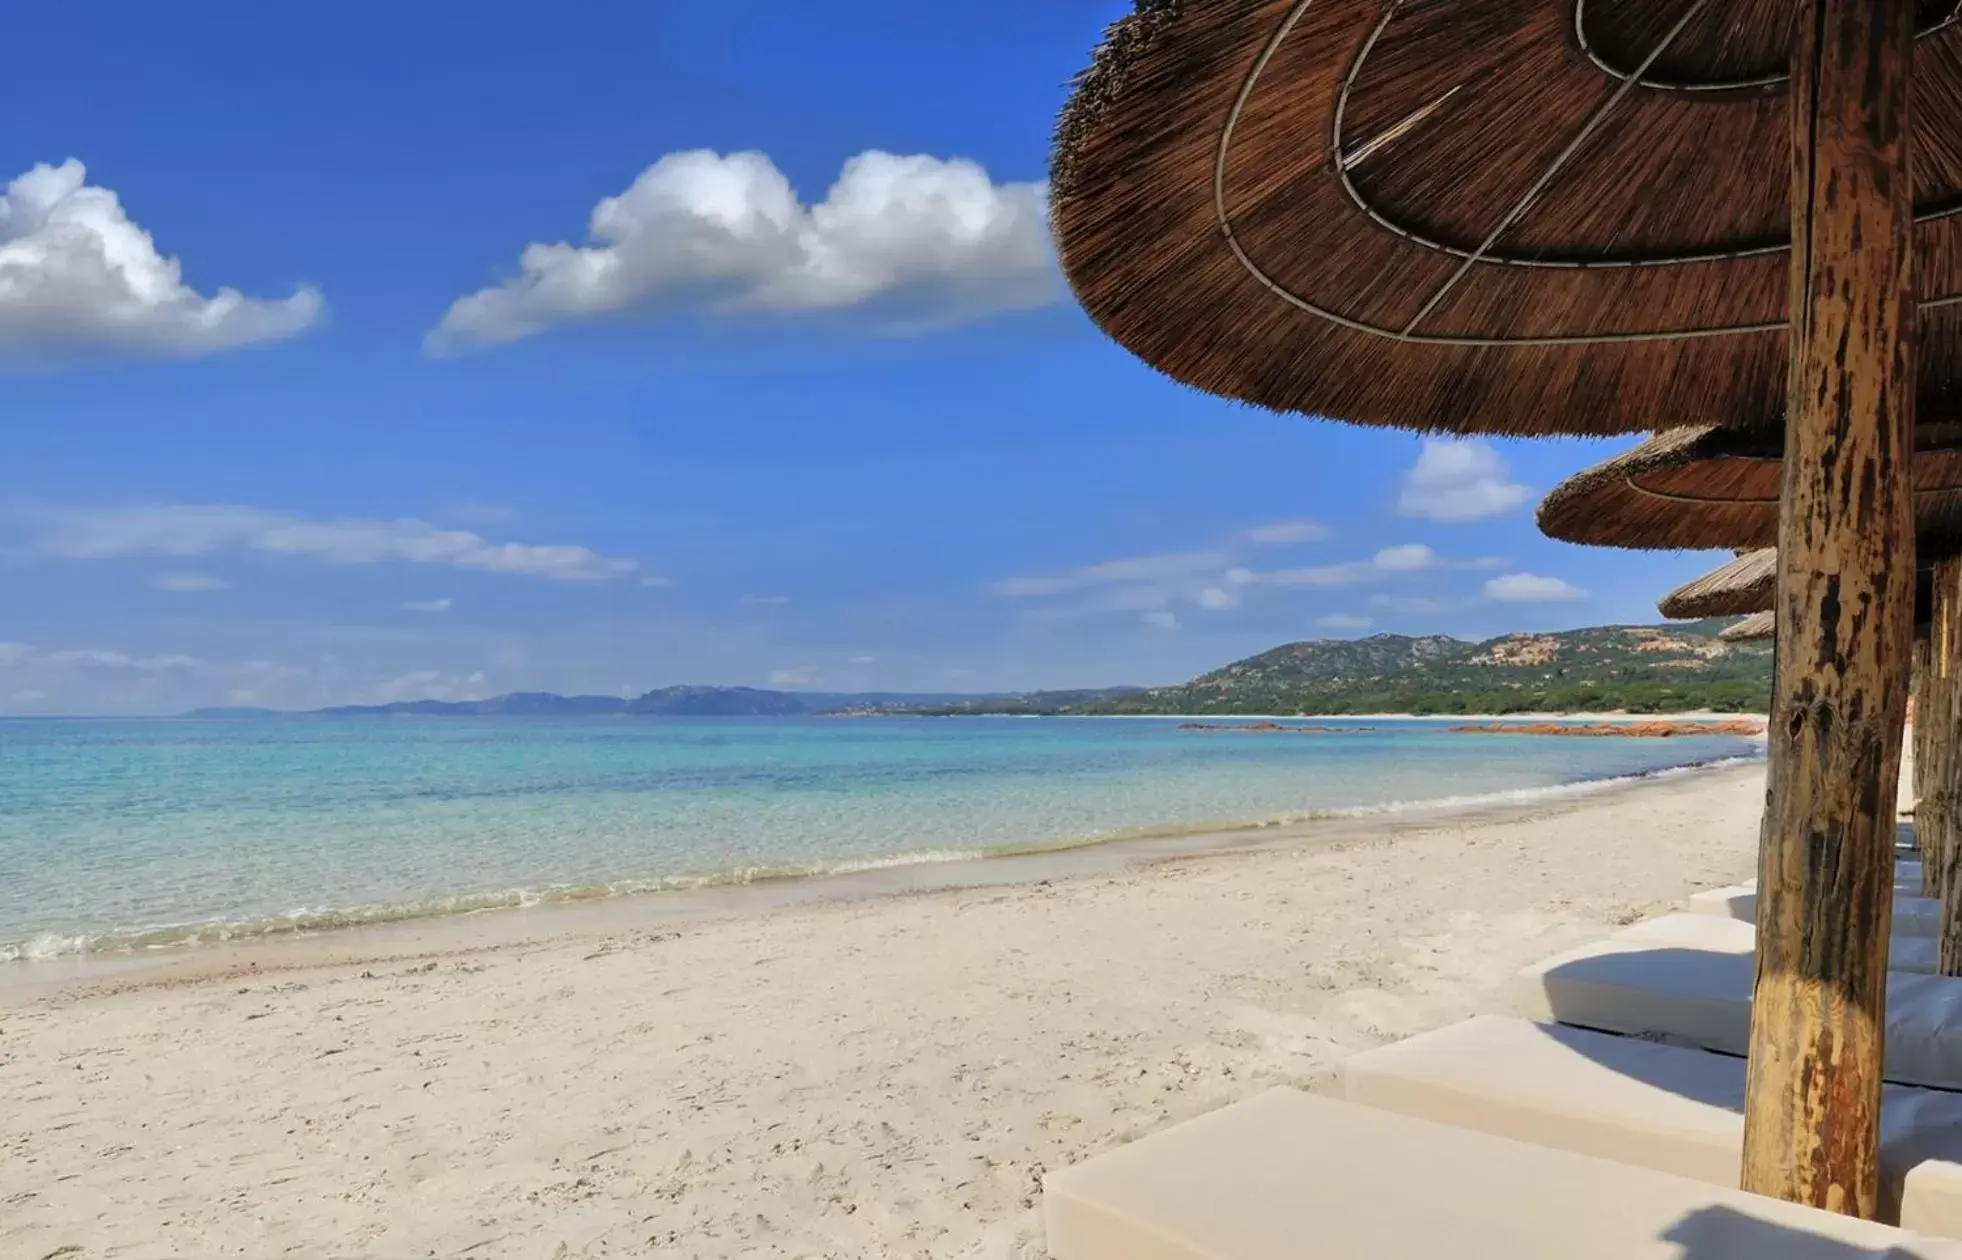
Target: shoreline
(490, 927)
(883, 1078)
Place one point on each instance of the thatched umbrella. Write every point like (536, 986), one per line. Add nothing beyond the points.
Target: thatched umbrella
(1693, 489)
(1525, 216)
(1759, 625)
(1744, 585)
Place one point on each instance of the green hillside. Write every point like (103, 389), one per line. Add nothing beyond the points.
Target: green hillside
(1641, 669)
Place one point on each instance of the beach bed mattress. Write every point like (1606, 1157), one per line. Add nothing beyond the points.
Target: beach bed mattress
(1702, 997)
(1285, 1174)
(1914, 915)
(1664, 1107)
(1735, 936)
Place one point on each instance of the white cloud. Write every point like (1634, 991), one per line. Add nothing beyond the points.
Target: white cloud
(1161, 620)
(1459, 481)
(1218, 597)
(424, 684)
(1531, 588)
(1276, 532)
(1343, 621)
(98, 658)
(863, 660)
(1407, 558)
(764, 601)
(720, 234)
(1421, 604)
(75, 272)
(428, 605)
(188, 582)
(1160, 568)
(195, 530)
(27, 657)
(797, 676)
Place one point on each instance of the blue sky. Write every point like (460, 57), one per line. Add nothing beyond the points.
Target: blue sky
(725, 423)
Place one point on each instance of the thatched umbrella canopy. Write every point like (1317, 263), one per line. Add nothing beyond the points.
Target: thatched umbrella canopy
(1692, 489)
(1518, 216)
(1576, 216)
(1756, 622)
(1759, 625)
(1744, 585)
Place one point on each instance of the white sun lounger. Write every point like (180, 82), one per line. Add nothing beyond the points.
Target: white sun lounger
(1703, 998)
(1734, 936)
(1913, 915)
(1663, 1107)
(1286, 1175)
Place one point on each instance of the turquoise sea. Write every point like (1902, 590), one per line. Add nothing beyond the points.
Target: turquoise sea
(138, 834)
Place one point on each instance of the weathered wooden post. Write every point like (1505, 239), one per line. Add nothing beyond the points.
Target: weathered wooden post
(1845, 616)
(1922, 709)
(1938, 720)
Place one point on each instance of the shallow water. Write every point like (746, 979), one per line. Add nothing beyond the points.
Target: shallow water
(132, 834)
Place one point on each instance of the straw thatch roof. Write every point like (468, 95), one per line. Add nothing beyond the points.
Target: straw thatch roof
(1759, 625)
(1744, 585)
(1702, 488)
(1515, 216)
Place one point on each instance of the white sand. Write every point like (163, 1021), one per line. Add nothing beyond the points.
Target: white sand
(870, 1079)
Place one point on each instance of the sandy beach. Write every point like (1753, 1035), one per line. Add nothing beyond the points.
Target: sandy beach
(879, 1077)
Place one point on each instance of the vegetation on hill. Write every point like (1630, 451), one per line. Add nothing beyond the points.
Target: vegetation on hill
(1639, 669)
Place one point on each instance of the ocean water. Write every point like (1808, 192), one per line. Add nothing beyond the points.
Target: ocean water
(132, 835)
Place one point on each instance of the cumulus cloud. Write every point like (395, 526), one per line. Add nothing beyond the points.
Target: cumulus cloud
(428, 605)
(726, 234)
(201, 529)
(1459, 481)
(1343, 621)
(1531, 588)
(75, 272)
(1276, 532)
(184, 582)
(1218, 597)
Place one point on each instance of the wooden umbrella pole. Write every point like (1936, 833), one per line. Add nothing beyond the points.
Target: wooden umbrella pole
(1935, 738)
(1845, 617)
(1921, 717)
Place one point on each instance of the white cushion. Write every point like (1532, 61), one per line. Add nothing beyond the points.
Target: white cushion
(1734, 936)
(1664, 1107)
(1703, 998)
(1286, 1175)
(1913, 915)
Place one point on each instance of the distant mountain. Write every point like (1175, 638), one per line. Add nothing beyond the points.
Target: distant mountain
(1644, 669)
(716, 702)
(516, 704)
(1033, 702)
(233, 713)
